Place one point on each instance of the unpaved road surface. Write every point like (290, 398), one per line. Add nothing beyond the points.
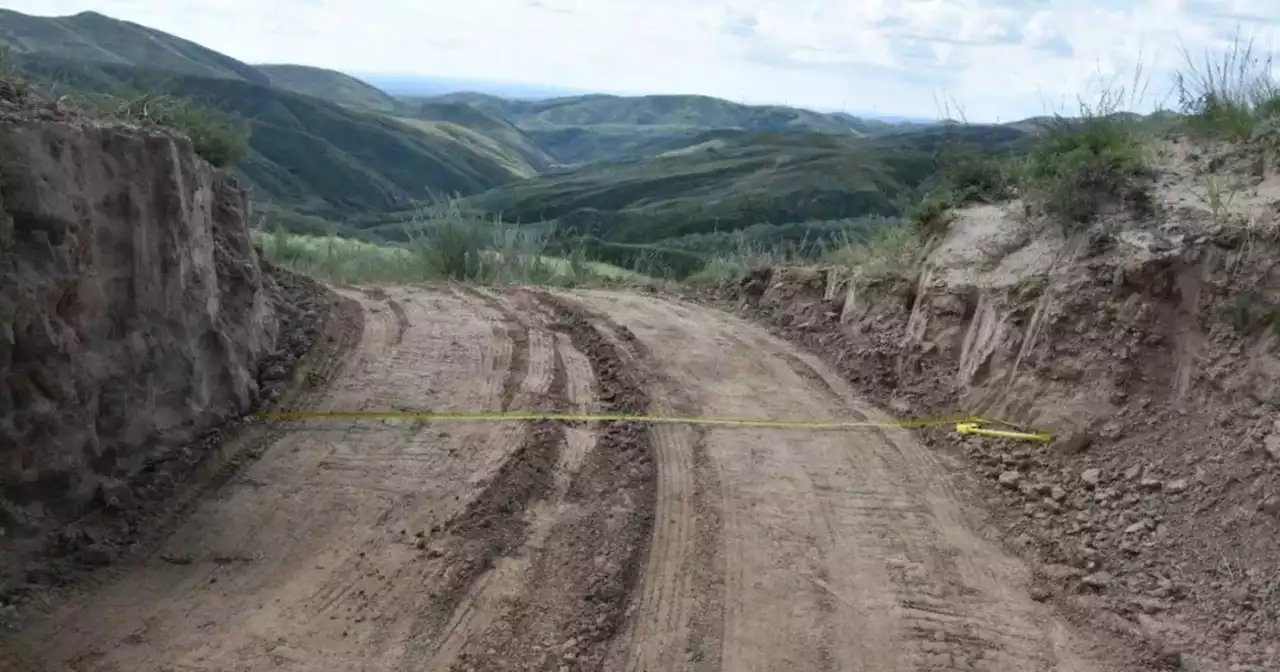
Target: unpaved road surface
(407, 545)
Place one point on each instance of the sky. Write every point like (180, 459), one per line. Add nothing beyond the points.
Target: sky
(984, 60)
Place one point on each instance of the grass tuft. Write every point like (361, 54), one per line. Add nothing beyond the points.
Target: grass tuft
(895, 250)
(1226, 96)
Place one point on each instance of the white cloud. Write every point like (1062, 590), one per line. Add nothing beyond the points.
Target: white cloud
(995, 58)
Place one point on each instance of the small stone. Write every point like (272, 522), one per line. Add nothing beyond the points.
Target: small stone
(1058, 493)
(1139, 526)
(1133, 472)
(1075, 443)
(117, 495)
(1176, 486)
(420, 543)
(1098, 580)
(1272, 445)
(1151, 484)
(1009, 479)
(1091, 477)
(1270, 506)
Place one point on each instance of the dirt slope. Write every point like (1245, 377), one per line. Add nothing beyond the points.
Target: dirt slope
(134, 318)
(410, 545)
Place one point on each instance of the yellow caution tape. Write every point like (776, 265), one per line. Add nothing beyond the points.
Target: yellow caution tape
(976, 428)
(965, 424)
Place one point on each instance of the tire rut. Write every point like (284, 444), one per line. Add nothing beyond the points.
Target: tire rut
(869, 523)
(678, 620)
(581, 583)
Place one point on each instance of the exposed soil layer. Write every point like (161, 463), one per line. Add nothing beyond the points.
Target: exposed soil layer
(137, 328)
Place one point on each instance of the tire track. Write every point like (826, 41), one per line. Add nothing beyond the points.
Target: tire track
(580, 390)
(581, 583)
(954, 621)
(683, 584)
(895, 579)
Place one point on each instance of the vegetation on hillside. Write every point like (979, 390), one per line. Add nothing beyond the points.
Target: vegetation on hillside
(445, 243)
(504, 133)
(688, 111)
(305, 154)
(330, 85)
(90, 37)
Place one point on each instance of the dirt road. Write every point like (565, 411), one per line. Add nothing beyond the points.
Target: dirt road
(404, 545)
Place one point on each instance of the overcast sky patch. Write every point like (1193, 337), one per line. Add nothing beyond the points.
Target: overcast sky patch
(998, 60)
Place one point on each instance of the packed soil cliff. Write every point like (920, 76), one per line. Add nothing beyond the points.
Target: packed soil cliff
(134, 321)
(1147, 345)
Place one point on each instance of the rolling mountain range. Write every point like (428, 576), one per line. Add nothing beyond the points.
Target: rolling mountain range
(326, 146)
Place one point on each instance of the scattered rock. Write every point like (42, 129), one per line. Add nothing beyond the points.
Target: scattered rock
(1091, 477)
(1075, 443)
(1009, 479)
(1139, 526)
(117, 495)
(1270, 506)
(1176, 486)
(1098, 580)
(1272, 445)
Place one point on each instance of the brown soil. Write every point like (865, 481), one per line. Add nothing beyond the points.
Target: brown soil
(1148, 347)
(409, 545)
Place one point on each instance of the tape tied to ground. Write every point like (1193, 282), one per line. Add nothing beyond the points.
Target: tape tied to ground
(967, 424)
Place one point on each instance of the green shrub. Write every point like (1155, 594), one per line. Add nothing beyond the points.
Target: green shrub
(1083, 164)
(975, 176)
(932, 214)
(454, 249)
(217, 137)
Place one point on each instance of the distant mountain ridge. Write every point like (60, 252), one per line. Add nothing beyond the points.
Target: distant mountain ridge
(96, 38)
(683, 171)
(331, 85)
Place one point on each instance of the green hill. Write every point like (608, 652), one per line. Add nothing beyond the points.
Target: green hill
(94, 38)
(688, 111)
(306, 154)
(585, 129)
(723, 181)
(330, 85)
(505, 133)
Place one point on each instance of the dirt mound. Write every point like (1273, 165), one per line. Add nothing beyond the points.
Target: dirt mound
(1148, 347)
(135, 321)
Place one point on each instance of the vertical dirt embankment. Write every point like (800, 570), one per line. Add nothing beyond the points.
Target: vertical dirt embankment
(134, 316)
(1151, 350)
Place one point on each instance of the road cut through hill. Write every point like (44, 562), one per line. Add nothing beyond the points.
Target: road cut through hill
(411, 545)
